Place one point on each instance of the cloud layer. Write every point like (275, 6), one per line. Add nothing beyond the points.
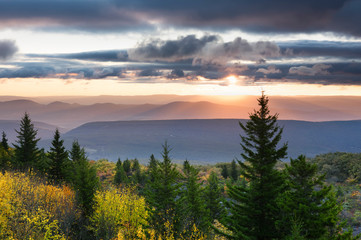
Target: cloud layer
(7, 49)
(337, 16)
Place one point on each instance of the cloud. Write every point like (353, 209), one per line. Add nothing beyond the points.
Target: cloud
(149, 73)
(317, 69)
(132, 15)
(269, 70)
(171, 50)
(206, 50)
(176, 73)
(7, 49)
(308, 48)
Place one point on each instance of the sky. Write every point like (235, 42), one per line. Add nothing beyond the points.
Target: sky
(189, 47)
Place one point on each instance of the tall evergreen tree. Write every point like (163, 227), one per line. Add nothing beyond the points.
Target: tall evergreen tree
(43, 163)
(76, 153)
(127, 167)
(5, 155)
(4, 142)
(224, 171)
(252, 208)
(309, 201)
(120, 175)
(234, 171)
(162, 194)
(26, 150)
(59, 162)
(213, 197)
(194, 211)
(85, 180)
(152, 169)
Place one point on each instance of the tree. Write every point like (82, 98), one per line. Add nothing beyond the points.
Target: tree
(58, 156)
(162, 193)
(310, 201)
(4, 142)
(252, 208)
(85, 180)
(127, 167)
(26, 150)
(120, 175)
(213, 197)
(224, 172)
(234, 171)
(76, 153)
(192, 203)
(5, 154)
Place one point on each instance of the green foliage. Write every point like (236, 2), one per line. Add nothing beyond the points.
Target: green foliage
(252, 208)
(234, 171)
(193, 205)
(59, 163)
(85, 180)
(213, 197)
(120, 175)
(4, 142)
(43, 163)
(162, 192)
(339, 166)
(310, 201)
(224, 172)
(26, 150)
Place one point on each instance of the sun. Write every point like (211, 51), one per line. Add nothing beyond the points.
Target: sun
(232, 80)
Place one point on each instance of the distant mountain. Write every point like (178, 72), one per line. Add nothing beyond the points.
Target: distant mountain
(72, 115)
(45, 131)
(206, 141)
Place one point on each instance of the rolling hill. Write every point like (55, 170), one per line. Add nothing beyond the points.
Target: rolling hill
(206, 140)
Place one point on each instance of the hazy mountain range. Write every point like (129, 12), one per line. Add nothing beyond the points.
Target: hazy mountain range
(199, 130)
(72, 111)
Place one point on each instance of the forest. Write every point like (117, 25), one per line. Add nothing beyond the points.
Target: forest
(61, 194)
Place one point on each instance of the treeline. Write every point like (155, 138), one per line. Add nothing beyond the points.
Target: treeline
(249, 199)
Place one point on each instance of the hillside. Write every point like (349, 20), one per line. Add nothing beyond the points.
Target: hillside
(206, 141)
(45, 131)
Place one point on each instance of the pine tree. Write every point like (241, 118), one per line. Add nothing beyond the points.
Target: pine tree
(43, 163)
(152, 169)
(252, 209)
(224, 172)
(5, 156)
(4, 142)
(213, 197)
(26, 150)
(85, 180)
(127, 167)
(310, 201)
(234, 171)
(162, 194)
(76, 153)
(120, 175)
(58, 156)
(186, 166)
(194, 212)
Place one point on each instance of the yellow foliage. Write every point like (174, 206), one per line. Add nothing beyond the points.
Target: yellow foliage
(32, 209)
(119, 214)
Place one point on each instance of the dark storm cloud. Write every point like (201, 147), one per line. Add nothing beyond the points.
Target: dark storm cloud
(322, 48)
(256, 15)
(171, 50)
(111, 55)
(7, 49)
(149, 73)
(205, 50)
(176, 73)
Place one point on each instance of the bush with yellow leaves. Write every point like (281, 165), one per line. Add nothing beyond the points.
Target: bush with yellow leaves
(119, 213)
(32, 209)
